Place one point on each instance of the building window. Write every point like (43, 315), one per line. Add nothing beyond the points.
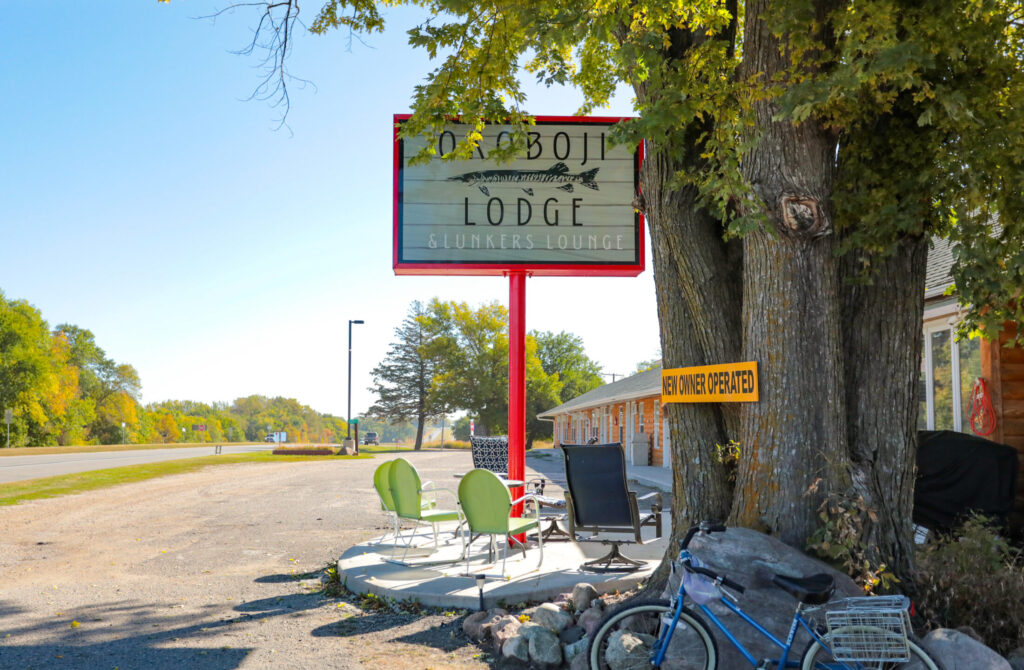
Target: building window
(948, 370)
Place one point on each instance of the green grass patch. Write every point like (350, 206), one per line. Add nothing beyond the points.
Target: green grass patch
(389, 448)
(92, 448)
(60, 485)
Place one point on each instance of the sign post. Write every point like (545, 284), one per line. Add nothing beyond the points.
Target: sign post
(564, 209)
(8, 417)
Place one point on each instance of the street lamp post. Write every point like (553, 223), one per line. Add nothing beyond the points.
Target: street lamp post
(348, 411)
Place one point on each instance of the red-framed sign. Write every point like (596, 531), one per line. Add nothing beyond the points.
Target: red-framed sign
(564, 209)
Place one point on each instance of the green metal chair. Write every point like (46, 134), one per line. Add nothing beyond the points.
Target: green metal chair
(387, 501)
(407, 492)
(485, 504)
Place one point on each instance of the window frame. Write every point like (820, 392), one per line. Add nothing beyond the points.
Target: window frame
(939, 325)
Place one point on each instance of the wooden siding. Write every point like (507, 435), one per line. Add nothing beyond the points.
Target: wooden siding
(1003, 367)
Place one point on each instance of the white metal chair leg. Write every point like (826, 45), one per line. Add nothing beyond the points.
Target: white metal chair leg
(411, 536)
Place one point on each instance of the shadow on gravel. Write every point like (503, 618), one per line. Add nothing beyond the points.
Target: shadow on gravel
(9, 609)
(278, 605)
(455, 639)
(361, 625)
(123, 654)
(446, 636)
(290, 577)
(130, 636)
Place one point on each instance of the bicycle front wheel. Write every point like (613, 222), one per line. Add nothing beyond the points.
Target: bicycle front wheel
(816, 657)
(625, 639)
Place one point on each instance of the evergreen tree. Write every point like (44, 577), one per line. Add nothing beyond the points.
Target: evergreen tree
(402, 381)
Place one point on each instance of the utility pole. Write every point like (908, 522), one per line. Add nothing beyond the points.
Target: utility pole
(348, 411)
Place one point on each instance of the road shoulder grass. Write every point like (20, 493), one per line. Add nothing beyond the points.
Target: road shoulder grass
(79, 482)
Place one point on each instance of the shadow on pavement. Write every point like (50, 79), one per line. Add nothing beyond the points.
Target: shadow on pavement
(128, 635)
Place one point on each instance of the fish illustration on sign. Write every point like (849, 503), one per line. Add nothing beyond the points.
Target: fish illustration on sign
(556, 174)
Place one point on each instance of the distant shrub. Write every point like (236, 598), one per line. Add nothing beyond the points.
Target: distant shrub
(974, 578)
(448, 444)
(304, 451)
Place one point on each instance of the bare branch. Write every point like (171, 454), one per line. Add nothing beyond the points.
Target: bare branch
(273, 35)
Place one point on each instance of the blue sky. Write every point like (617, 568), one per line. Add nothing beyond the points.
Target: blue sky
(143, 198)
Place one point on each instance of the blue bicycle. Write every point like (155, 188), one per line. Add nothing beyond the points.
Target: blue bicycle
(847, 634)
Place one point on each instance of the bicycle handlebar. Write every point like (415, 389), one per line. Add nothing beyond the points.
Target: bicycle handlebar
(703, 526)
(725, 581)
(708, 527)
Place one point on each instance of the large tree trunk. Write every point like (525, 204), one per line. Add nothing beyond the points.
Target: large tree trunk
(880, 320)
(796, 433)
(698, 326)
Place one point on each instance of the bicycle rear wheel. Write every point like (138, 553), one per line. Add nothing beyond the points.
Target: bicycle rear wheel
(817, 657)
(626, 635)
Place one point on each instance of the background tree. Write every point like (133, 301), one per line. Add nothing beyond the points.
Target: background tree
(29, 370)
(563, 361)
(650, 364)
(469, 349)
(402, 381)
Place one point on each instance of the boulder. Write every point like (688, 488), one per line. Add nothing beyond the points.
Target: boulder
(589, 619)
(752, 558)
(552, 617)
(502, 630)
(629, 650)
(516, 647)
(571, 634)
(574, 649)
(545, 650)
(580, 662)
(1016, 658)
(478, 624)
(527, 629)
(582, 595)
(957, 651)
(471, 625)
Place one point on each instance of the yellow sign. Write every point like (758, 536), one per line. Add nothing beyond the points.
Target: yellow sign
(729, 382)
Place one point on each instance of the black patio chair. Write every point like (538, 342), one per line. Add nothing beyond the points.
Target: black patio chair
(599, 501)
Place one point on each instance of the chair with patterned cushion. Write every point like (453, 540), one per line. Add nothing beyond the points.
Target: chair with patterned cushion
(490, 453)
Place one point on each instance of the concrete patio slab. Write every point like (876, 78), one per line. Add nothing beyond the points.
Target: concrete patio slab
(434, 578)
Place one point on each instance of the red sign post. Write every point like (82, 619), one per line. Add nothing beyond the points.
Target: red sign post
(564, 209)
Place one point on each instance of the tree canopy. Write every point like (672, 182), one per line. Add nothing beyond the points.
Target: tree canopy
(800, 154)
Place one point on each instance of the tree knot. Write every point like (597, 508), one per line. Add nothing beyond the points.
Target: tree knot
(802, 216)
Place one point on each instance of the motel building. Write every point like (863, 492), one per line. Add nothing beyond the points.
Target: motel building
(630, 410)
(626, 411)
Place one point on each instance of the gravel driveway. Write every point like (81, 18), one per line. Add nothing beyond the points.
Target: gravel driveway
(211, 570)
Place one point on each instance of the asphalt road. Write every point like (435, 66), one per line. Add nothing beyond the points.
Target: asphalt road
(18, 468)
(212, 570)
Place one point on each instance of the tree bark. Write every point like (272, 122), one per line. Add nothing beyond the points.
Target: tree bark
(698, 327)
(880, 319)
(796, 433)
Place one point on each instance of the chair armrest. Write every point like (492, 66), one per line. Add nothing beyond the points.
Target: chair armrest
(656, 504)
(529, 496)
(437, 490)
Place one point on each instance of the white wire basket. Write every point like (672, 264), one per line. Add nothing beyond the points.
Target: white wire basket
(869, 629)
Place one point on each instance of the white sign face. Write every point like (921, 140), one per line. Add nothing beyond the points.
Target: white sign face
(565, 208)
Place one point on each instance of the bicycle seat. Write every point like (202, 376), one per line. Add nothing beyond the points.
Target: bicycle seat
(813, 590)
